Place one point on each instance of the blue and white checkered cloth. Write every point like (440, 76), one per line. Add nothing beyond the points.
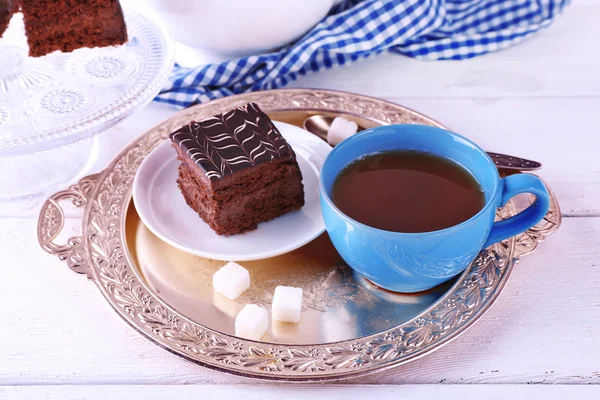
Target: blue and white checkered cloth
(356, 29)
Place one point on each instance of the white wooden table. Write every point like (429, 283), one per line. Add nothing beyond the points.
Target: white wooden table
(540, 100)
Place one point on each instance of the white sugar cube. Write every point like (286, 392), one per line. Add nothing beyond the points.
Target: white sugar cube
(287, 304)
(231, 280)
(252, 322)
(340, 129)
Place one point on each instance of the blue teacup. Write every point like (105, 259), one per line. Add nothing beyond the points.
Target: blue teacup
(412, 262)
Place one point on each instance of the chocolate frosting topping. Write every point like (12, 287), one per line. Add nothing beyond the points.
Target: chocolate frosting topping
(229, 142)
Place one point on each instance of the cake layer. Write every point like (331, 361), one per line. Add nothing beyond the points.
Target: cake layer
(67, 25)
(197, 195)
(216, 202)
(273, 200)
(247, 210)
(244, 181)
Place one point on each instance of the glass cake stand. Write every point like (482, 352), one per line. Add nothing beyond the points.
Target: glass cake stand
(50, 107)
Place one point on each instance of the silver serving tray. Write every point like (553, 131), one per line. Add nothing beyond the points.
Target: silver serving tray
(349, 327)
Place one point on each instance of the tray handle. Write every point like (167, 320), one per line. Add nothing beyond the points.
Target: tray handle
(52, 220)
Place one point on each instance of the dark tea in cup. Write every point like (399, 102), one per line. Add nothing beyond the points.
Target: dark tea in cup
(407, 191)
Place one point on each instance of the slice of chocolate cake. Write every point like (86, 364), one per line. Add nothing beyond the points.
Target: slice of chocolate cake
(7, 9)
(237, 170)
(67, 25)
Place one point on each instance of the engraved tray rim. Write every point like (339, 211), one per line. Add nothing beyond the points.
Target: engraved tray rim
(101, 254)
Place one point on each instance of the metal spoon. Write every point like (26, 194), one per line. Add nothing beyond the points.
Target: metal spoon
(319, 125)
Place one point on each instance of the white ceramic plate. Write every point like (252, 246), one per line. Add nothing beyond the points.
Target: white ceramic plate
(162, 208)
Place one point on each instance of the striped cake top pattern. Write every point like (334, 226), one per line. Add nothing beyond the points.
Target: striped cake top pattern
(229, 142)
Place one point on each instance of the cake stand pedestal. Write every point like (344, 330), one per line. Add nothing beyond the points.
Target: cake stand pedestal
(25, 180)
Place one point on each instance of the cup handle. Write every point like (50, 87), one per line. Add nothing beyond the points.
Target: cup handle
(512, 186)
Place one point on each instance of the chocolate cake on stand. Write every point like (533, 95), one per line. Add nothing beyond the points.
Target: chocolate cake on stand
(69, 70)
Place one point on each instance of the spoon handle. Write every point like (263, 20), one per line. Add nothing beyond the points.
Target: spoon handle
(511, 162)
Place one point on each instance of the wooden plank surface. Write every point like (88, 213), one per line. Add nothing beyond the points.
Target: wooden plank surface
(537, 100)
(295, 392)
